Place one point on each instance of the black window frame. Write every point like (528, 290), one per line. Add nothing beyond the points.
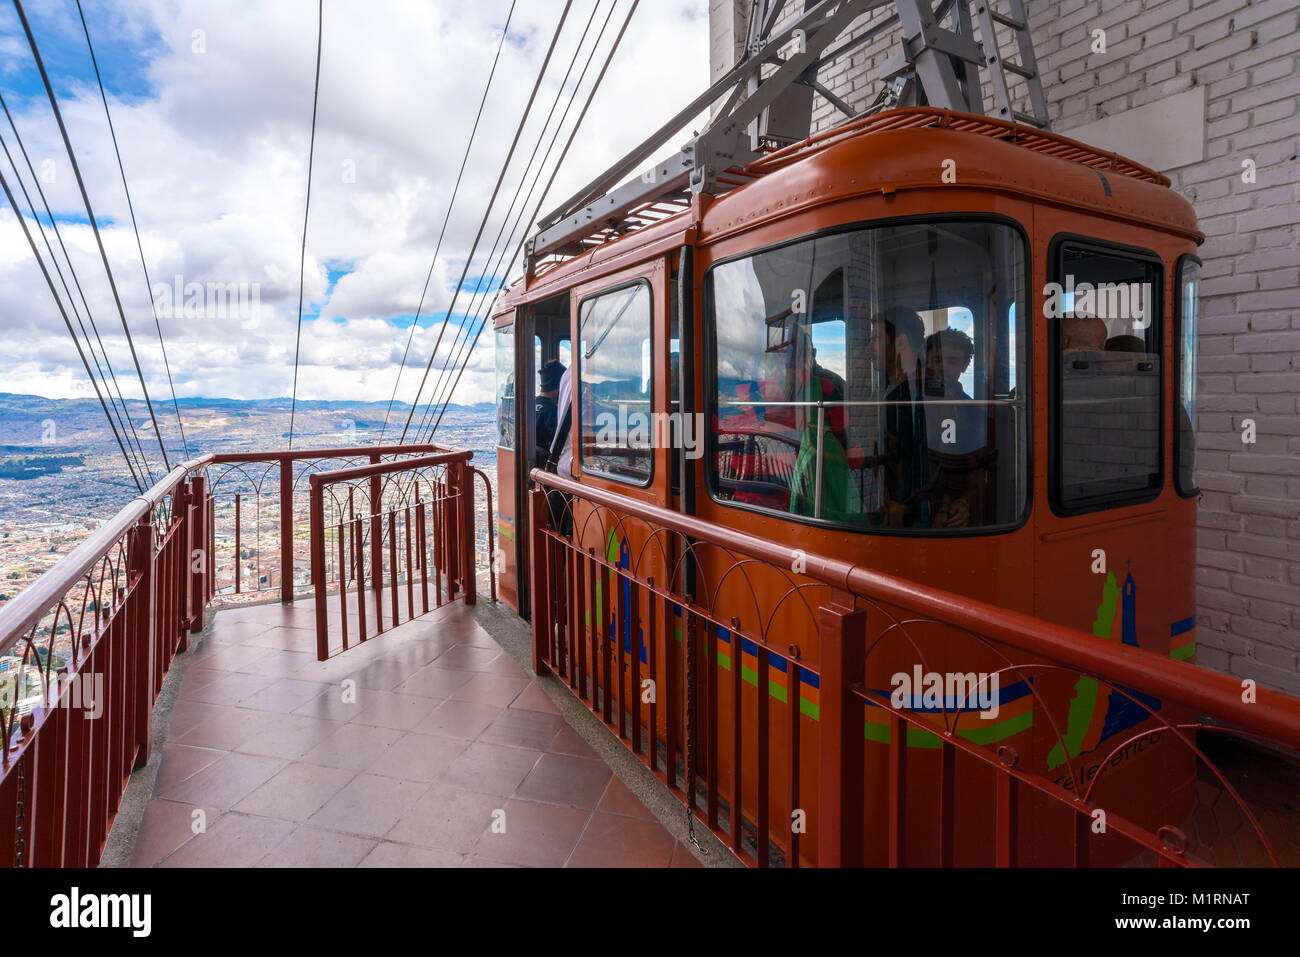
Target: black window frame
(498, 330)
(575, 383)
(1024, 378)
(1055, 257)
(1179, 319)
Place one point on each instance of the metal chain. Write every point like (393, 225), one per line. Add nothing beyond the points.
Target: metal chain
(20, 842)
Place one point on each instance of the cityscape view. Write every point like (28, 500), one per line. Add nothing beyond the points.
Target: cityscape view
(62, 474)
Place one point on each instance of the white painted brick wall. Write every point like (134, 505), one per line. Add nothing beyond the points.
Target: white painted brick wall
(1244, 54)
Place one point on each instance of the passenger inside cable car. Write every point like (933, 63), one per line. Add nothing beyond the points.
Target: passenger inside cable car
(880, 392)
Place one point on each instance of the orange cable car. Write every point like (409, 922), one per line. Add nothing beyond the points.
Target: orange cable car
(940, 346)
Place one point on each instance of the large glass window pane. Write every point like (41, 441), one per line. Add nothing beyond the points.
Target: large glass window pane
(615, 377)
(1189, 301)
(505, 363)
(1104, 312)
(868, 378)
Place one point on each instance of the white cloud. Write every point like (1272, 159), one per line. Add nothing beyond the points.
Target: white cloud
(216, 158)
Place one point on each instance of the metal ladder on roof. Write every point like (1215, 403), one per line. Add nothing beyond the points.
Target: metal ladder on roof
(998, 65)
(943, 61)
(765, 101)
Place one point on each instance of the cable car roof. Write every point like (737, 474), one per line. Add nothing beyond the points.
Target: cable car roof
(885, 153)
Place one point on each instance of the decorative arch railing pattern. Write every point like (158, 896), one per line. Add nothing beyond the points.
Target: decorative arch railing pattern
(83, 654)
(260, 503)
(755, 680)
(85, 649)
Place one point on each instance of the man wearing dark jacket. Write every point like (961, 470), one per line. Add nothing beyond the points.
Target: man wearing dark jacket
(546, 416)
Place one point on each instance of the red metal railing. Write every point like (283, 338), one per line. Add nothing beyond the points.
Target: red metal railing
(83, 654)
(259, 499)
(85, 649)
(774, 730)
(415, 518)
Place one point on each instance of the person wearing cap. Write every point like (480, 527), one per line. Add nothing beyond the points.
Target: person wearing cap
(546, 415)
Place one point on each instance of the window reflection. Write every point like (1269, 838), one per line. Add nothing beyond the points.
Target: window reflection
(868, 377)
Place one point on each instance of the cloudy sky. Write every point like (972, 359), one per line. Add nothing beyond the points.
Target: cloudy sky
(212, 104)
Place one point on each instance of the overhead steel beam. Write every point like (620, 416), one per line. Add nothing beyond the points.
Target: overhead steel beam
(734, 79)
(937, 62)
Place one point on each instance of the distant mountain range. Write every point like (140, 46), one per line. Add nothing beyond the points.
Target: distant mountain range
(34, 403)
(65, 425)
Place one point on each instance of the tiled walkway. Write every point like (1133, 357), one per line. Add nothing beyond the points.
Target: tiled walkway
(442, 753)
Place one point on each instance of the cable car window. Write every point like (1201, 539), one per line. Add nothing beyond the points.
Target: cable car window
(1103, 311)
(505, 368)
(615, 376)
(1189, 299)
(867, 378)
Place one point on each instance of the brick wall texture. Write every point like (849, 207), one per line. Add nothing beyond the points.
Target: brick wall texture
(1244, 54)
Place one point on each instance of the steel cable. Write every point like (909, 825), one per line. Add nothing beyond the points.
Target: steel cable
(487, 211)
(120, 411)
(90, 213)
(302, 256)
(4, 183)
(139, 245)
(462, 333)
(446, 219)
(572, 134)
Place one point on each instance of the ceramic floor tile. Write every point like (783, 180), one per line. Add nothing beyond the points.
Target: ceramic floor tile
(682, 857)
(459, 719)
(568, 741)
(355, 746)
(565, 779)
(288, 736)
(335, 704)
(235, 840)
(278, 663)
(419, 757)
(390, 854)
(463, 657)
(179, 761)
(368, 805)
(533, 698)
(611, 840)
(447, 818)
(490, 689)
(224, 729)
(313, 847)
(619, 799)
(535, 835)
(491, 768)
(165, 826)
(187, 714)
(231, 689)
(388, 709)
(296, 793)
(523, 729)
(283, 695)
(224, 782)
(435, 682)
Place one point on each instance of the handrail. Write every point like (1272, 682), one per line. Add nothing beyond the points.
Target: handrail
(458, 548)
(28, 607)
(383, 468)
(223, 458)
(1272, 714)
(18, 615)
